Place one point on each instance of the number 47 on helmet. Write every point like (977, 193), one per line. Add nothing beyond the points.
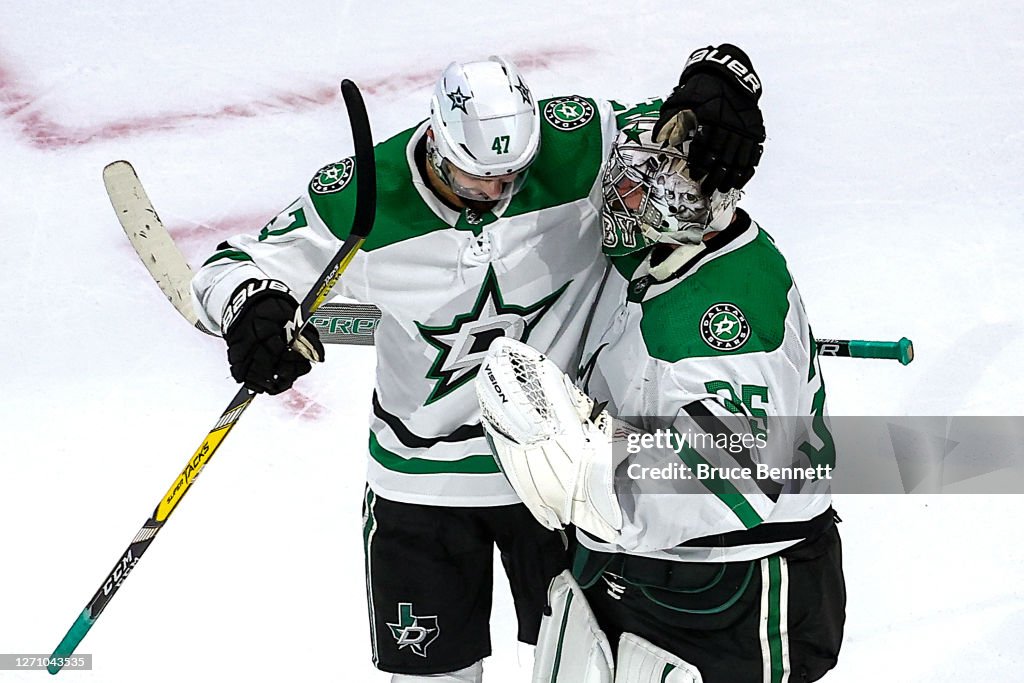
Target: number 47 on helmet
(486, 129)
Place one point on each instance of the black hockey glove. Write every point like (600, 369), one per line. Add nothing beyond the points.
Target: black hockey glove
(259, 343)
(719, 85)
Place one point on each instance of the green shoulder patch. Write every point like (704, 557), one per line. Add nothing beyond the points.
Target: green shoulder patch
(332, 177)
(723, 327)
(734, 304)
(570, 157)
(401, 212)
(569, 113)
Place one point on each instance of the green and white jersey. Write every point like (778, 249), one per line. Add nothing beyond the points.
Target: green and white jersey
(447, 284)
(722, 341)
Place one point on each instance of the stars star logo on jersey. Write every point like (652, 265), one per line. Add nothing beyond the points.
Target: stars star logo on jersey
(524, 91)
(723, 327)
(568, 113)
(462, 344)
(459, 99)
(413, 632)
(332, 177)
(585, 371)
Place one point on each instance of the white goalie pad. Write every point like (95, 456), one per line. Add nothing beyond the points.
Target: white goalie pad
(571, 647)
(558, 459)
(643, 662)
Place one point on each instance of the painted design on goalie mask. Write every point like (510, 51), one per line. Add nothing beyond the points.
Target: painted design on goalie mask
(462, 344)
(414, 632)
(650, 198)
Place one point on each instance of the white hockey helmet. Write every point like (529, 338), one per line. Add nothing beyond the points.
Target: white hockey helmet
(485, 125)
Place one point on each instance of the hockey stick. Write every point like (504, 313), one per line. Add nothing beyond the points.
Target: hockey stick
(362, 223)
(150, 238)
(343, 323)
(337, 323)
(902, 350)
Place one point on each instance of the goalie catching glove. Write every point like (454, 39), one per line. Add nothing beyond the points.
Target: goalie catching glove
(260, 325)
(555, 452)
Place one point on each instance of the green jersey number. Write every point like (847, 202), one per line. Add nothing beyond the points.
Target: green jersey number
(826, 455)
(500, 144)
(751, 396)
(754, 396)
(298, 220)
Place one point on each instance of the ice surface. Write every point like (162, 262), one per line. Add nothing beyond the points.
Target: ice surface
(891, 180)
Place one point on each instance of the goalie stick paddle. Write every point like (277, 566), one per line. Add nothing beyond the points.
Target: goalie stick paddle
(136, 200)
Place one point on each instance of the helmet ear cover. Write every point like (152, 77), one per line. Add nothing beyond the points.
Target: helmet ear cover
(485, 122)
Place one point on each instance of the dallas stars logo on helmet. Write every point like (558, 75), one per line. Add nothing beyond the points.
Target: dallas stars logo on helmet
(332, 177)
(459, 99)
(723, 327)
(568, 113)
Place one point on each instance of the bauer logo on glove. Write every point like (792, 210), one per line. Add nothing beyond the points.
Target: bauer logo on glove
(259, 327)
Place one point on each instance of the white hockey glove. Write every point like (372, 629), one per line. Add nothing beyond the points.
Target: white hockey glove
(557, 458)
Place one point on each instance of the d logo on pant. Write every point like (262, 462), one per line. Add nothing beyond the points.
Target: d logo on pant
(416, 633)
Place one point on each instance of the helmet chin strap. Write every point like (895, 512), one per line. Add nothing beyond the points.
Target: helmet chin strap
(434, 160)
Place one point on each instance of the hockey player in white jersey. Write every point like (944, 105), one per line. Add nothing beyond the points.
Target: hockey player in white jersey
(708, 549)
(463, 199)
(488, 225)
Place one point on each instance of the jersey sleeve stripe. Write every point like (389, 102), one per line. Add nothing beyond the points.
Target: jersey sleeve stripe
(229, 254)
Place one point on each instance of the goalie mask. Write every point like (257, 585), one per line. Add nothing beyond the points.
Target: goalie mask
(649, 197)
(486, 129)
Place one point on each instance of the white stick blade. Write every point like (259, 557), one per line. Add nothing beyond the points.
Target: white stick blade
(149, 237)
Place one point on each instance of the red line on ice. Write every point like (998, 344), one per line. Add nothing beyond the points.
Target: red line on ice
(39, 129)
(302, 405)
(198, 241)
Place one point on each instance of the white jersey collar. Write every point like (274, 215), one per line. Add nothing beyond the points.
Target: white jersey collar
(690, 260)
